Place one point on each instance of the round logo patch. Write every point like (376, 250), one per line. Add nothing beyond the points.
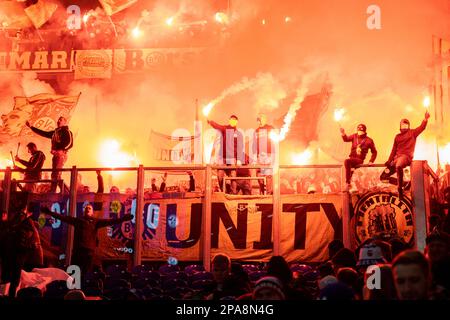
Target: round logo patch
(383, 213)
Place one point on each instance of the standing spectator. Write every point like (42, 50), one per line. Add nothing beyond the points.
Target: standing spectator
(361, 144)
(62, 141)
(232, 149)
(402, 152)
(33, 166)
(263, 149)
(412, 275)
(85, 239)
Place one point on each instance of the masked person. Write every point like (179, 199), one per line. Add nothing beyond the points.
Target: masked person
(85, 235)
(231, 149)
(361, 144)
(62, 141)
(264, 149)
(402, 152)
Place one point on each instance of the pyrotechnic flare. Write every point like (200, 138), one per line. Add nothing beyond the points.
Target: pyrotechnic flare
(426, 102)
(169, 21)
(339, 115)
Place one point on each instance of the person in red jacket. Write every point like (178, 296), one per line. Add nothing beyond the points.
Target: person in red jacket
(402, 152)
(361, 144)
(232, 149)
(62, 141)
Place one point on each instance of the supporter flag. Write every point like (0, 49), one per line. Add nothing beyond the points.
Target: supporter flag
(42, 111)
(40, 12)
(12, 15)
(113, 6)
(174, 149)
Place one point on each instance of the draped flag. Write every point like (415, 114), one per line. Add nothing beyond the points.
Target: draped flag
(174, 149)
(113, 6)
(41, 110)
(12, 15)
(40, 12)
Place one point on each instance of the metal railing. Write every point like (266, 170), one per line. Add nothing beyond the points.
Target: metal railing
(206, 200)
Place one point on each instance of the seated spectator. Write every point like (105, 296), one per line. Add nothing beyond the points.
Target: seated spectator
(75, 295)
(220, 268)
(29, 293)
(268, 288)
(350, 277)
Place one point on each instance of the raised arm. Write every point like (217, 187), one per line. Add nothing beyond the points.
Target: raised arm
(66, 219)
(215, 125)
(109, 222)
(42, 133)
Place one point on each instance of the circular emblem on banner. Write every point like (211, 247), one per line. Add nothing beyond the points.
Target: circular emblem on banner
(93, 64)
(115, 206)
(154, 59)
(383, 214)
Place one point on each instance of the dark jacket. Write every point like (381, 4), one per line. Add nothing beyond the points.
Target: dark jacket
(262, 141)
(25, 235)
(405, 142)
(231, 142)
(33, 166)
(85, 235)
(365, 144)
(62, 138)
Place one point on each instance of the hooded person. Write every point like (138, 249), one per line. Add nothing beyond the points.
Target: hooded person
(402, 152)
(361, 144)
(232, 149)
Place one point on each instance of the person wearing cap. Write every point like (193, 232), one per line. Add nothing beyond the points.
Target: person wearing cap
(402, 152)
(263, 150)
(33, 166)
(361, 144)
(232, 149)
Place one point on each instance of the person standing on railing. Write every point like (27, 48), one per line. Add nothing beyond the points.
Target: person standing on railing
(33, 166)
(232, 147)
(263, 149)
(361, 144)
(85, 236)
(62, 141)
(402, 152)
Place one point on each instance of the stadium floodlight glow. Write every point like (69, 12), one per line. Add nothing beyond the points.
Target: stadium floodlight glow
(263, 22)
(221, 18)
(287, 19)
(169, 21)
(136, 33)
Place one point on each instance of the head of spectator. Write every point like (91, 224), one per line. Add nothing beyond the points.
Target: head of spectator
(369, 254)
(29, 293)
(344, 258)
(325, 281)
(334, 246)
(31, 147)
(337, 291)
(278, 267)
(349, 276)
(268, 288)
(233, 121)
(85, 189)
(220, 268)
(114, 189)
(62, 121)
(88, 211)
(438, 246)
(434, 221)
(385, 289)
(411, 272)
(75, 295)
(397, 246)
(326, 269)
